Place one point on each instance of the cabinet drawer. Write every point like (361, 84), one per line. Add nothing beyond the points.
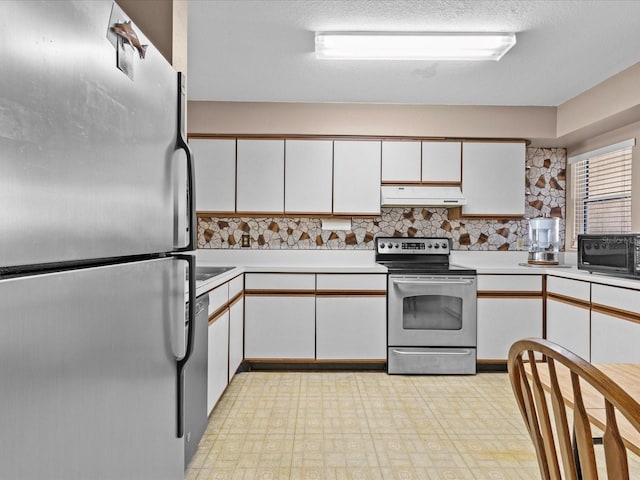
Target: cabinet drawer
(510, 283)
(352, 282)
(236, 285)
(616, 298)
(569, 288)
(280, 281)
(218, 298)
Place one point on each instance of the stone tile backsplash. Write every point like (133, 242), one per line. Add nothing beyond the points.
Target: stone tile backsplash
(545, 186)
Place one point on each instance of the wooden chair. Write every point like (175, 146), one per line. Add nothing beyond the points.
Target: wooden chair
(552, 441)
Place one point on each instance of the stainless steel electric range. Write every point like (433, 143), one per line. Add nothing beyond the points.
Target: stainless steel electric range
(431, 307)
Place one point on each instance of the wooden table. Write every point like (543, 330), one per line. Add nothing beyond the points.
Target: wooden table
(626, 375)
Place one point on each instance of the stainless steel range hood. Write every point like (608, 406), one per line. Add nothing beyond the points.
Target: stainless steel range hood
(421, 196)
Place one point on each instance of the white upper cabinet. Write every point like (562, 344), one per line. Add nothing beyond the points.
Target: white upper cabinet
(493, 177)
(356, 177)
(400, 162)
(441, 162)
(215, 168)
(308, 176)
(260, 182)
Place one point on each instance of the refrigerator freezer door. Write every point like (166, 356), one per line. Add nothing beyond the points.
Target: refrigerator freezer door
(87, 155)
(88, 371)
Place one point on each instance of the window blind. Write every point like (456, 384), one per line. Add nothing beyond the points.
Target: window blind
(602, 192)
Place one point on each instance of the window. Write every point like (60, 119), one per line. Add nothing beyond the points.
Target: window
(601, 182)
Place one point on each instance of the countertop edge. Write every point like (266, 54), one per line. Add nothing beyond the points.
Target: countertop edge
(570, 273)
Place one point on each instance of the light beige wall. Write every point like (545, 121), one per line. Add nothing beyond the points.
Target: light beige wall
(533, 123)
(608, 106)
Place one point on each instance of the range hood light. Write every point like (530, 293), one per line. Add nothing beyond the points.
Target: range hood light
(434, 46)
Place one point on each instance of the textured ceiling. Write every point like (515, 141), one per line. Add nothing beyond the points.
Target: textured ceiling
(263, 51)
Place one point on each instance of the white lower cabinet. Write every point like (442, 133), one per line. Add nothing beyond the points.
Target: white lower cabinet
(236, 336)
(351, 327)
(279, 326)
(614, 340)
(615, 324)
(502, 321)
(569, 314)
(509, 308)
(236, 324)
(218, 365)
(569, 326)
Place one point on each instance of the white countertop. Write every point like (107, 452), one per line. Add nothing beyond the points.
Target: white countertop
(363, 261)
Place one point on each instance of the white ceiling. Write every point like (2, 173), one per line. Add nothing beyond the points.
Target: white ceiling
(263, 50)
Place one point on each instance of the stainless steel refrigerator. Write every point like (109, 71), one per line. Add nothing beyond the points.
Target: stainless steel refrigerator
(96, 222)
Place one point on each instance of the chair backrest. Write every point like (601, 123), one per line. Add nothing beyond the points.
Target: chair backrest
(544, 391)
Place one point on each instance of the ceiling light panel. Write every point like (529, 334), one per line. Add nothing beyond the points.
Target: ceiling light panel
(413, 46)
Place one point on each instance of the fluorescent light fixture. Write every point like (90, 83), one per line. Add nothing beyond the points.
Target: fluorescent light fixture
(413, 45)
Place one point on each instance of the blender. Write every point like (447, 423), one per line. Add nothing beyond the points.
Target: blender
(544, 233)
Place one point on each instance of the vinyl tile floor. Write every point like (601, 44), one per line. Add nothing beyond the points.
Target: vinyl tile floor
(365, 425)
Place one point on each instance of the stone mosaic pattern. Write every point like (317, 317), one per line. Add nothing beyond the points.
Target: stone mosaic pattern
(545, 184)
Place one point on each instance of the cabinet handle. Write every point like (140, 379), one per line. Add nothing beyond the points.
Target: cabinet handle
(182, 362)
(181, 144)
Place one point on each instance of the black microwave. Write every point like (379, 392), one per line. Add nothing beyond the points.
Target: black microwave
(615, 254)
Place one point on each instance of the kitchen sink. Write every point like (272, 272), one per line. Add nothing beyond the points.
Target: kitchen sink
(205, 273)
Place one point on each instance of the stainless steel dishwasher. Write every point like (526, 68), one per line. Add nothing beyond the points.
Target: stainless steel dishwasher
(195, 382)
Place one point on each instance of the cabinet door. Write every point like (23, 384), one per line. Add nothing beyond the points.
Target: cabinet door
(215, 166)
(351, 327)
(493, 176)
(279, 327)
(218, 367)
(308, 176)
(400, 162)
(236, 335)
(615, 334)
(356, 177)
(441, 162)
(569, 326)
(614, 340)
(260, 182)
(502, 321)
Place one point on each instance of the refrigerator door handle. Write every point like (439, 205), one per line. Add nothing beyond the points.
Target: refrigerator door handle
(182, 362)
(181, 144)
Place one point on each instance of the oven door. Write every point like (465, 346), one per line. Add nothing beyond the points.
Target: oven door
(432, 311)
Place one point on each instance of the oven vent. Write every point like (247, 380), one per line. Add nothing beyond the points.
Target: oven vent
(421, 196)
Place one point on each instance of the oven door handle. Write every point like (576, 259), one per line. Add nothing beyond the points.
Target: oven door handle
(433, 282)
(440, 353)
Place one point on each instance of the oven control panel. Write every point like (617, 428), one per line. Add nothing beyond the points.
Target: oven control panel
(414, 246)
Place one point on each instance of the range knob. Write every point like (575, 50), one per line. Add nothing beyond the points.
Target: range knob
(429, 246)
(437, 245)
(445, 245)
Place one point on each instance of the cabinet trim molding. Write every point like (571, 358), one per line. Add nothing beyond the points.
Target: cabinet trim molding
(299, 136)
(285, 361)
(616, 312)
(279, 293)
(239, 297)
(215, 316)
(351, 293)
(576, 302)
(509, 294)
